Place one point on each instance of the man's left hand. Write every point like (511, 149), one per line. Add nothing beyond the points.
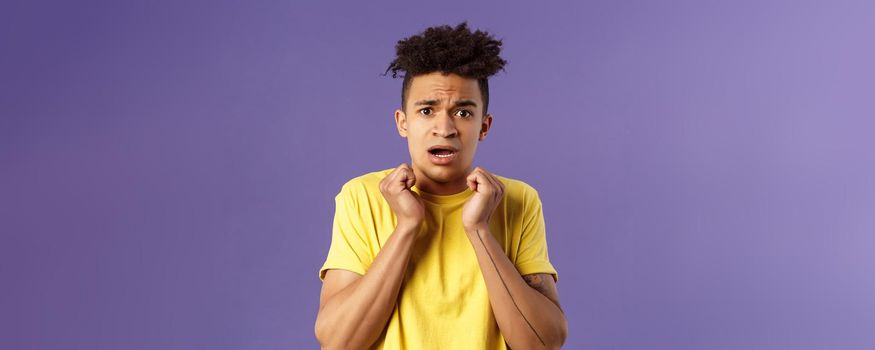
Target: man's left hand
(488, 192)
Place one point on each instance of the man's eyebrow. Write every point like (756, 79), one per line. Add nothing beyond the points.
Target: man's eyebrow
(426, 102)
(465, 103)
(459, 103)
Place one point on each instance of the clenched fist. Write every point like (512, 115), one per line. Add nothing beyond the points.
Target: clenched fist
(488, 192)
(406, 204)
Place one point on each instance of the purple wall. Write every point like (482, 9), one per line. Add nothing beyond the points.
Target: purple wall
(168, 169)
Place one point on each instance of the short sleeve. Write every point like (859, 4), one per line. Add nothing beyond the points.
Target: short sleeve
(349, 248)
(532, 255)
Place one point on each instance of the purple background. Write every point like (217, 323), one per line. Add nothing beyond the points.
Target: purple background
(168, 168)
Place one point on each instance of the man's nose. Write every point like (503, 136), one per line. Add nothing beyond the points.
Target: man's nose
(444, 126)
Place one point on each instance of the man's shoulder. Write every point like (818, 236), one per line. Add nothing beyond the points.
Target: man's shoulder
(365, 183)
(517, 188)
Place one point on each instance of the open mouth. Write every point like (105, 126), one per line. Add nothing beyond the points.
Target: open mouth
(442, 154)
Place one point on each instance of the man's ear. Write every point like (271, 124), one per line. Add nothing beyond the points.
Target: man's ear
(401, 122)
(485, 125)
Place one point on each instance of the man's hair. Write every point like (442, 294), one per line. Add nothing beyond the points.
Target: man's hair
(448, 50)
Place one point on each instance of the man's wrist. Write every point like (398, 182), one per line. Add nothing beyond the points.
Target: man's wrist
(478, 229)
(407, 228)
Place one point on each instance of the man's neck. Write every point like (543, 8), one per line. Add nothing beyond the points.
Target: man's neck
(427, 185)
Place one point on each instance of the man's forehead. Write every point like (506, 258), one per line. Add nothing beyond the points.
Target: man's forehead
(444, 88)
(457, 102)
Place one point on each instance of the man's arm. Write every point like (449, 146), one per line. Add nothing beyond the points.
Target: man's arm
(354, 309)
(528, 314)
(544, 283)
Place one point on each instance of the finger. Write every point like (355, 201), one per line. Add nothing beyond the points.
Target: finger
(389, 178)
(395, 179)
(409, 178)
(493, 186)
(384, 183)
(397, 170)
(406, 178)
(472, 180)
(488, 176)
(499, 186)
(483, 184)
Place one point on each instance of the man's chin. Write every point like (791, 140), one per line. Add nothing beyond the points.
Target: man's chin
(439, 174)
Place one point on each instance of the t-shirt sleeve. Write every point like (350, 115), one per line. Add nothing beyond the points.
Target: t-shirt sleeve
(532, 256)
(349, 248)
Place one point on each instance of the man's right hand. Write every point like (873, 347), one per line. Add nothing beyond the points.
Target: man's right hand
(354, 309)
(406, 204)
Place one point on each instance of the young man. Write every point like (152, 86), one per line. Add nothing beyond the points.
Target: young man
(438, 255)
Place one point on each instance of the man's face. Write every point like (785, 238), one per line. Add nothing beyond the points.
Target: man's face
(443, 112)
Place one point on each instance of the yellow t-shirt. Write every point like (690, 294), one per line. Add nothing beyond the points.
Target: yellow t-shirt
(443, 302)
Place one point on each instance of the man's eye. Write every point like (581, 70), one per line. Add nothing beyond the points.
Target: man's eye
(463, 113)
(425, 111)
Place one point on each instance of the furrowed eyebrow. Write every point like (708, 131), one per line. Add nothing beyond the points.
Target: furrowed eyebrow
(459, 103)
(426, 102)
(465, 103)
